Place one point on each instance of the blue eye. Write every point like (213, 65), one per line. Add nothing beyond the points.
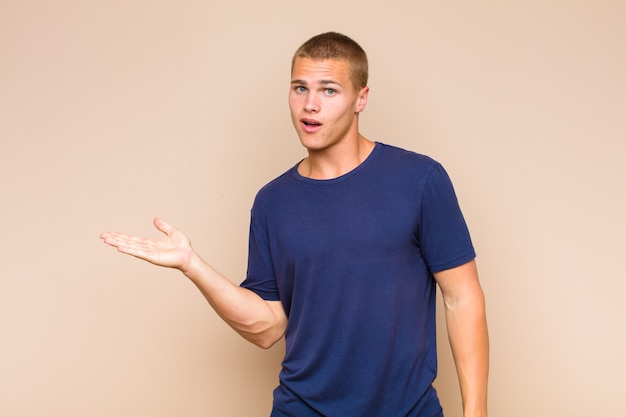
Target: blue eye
(300, 89)
(331, 91)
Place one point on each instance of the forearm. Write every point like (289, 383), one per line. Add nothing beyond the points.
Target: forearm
(467, 331)
(258, 321)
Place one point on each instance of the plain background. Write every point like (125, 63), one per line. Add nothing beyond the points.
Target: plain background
(112, 112)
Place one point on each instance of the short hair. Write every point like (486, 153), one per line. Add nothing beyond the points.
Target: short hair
(333, 45)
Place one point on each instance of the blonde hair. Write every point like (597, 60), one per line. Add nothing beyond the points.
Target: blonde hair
(333, 45)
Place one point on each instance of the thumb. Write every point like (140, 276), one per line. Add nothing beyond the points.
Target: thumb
(163, 226)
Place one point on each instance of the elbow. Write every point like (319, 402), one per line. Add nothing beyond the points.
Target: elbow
(472, 298)
(262, 327)
(264, 340)
(263, 336)
(266, 343)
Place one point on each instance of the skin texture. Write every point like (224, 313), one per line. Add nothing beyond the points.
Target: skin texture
(325, 108)
(464, 305)
(260, 322)
(323, 96)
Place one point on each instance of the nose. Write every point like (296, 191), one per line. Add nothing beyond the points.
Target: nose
(311, 104)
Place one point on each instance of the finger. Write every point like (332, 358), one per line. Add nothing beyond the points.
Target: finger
(135, 251)
(105, 235)
(134, 245)
(163, 226)
(119, 239)
(110, 238)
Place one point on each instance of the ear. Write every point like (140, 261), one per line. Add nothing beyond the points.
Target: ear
(361, 101)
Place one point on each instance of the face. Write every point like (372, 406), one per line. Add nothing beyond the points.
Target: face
(324, 103)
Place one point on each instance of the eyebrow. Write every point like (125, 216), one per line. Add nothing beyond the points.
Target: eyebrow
(323, 82)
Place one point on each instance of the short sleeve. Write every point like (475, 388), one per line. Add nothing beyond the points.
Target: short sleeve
(260, 276)
(444, 236)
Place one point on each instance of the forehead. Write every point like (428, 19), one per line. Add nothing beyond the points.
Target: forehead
(313, 70)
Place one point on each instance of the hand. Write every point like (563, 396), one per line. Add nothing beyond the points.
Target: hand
(174, 250)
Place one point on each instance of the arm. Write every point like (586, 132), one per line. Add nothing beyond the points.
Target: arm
(467, 330)
(259, 321)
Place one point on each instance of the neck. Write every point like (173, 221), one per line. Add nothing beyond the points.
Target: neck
(332, 163)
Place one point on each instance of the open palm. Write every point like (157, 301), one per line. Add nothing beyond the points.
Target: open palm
(173, 250)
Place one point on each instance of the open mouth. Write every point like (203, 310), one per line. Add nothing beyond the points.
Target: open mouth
(311, 123)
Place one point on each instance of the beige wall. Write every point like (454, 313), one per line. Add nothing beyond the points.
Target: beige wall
(112, 112)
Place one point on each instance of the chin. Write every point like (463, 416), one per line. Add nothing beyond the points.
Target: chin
(306, 140)
(313, 145)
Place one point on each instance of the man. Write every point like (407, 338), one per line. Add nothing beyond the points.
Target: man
(346, 249)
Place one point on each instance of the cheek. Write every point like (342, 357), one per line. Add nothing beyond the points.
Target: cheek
(341, 112)
(293, 105)
(293, 98)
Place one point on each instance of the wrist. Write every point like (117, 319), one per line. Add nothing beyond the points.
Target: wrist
(190, 263)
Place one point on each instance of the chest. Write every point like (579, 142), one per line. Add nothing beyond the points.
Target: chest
(343, 221)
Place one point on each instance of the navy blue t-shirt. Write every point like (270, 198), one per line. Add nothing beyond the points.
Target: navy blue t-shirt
(351, 259)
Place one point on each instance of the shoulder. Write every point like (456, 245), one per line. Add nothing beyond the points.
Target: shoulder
(278, 182)
(276, 188)
(401, 155)
(407, 162)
